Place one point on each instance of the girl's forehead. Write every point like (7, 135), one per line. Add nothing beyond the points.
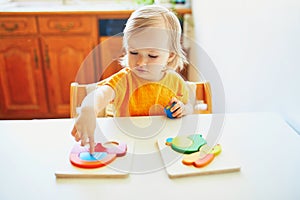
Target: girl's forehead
(149, 38)
(148, 50)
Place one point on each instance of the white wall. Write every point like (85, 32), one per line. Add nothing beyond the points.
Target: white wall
(255, 46)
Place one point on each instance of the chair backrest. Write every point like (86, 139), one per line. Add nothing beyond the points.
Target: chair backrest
(201, 98)
(77, 93)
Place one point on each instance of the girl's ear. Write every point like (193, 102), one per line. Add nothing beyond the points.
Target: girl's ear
(171, 57)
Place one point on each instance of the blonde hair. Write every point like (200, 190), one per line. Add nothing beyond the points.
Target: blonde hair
(151, 16)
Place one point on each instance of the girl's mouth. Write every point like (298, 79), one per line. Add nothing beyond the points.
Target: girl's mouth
(141, 69)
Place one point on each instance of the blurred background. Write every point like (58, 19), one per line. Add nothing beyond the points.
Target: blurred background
(255, 47)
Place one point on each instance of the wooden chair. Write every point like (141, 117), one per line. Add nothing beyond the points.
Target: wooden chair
(200, 98)
(77, 94)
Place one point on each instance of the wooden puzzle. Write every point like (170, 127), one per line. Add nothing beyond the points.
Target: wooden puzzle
(196, 148)
(81, 157)
(110, 160)
(189, 155)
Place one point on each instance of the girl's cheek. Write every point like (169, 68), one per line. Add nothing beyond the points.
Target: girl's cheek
(131, 61)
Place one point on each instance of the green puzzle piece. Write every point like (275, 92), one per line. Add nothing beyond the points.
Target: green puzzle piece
(187, 144)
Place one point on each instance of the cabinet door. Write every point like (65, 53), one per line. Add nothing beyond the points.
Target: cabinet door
(63, 57)
(22, 93)
(110, 52)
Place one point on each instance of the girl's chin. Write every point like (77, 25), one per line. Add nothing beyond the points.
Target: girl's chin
(146, 75)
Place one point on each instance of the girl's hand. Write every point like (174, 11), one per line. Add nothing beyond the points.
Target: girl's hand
(178, 109)
(84, 128)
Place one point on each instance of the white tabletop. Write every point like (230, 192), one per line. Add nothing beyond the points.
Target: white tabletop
(266, 147)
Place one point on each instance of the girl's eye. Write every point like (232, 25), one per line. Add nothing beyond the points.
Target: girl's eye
(152, 56)
(133, 52)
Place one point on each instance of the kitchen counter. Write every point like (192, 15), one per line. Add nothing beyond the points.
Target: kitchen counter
(77, 6)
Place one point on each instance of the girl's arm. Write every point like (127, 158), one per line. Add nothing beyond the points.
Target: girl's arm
(92, 104)
(99, 98)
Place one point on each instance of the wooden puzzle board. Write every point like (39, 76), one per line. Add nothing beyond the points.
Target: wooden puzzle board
(223, 163)
(119, 168)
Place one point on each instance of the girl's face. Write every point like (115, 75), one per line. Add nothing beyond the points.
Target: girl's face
(149, 53)
(149, 63)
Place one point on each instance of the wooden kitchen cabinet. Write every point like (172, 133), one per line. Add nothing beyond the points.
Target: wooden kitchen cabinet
(39, 58)
(66, 41)
(22, 88)
(110, 43)
(17, 25)
(63, 58)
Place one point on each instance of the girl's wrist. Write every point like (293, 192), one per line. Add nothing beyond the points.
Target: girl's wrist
(187, 109)
(88, 110)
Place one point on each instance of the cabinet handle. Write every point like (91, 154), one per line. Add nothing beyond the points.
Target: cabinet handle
(36, 59)
(47, 58)
(9, 29)
(64, 28)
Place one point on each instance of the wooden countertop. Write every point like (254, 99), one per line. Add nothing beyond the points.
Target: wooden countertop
(40, 8)
(73, 12)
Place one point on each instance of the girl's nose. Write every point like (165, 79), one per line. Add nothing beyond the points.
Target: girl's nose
(141, 61)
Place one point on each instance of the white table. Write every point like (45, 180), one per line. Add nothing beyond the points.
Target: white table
(266, 147)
